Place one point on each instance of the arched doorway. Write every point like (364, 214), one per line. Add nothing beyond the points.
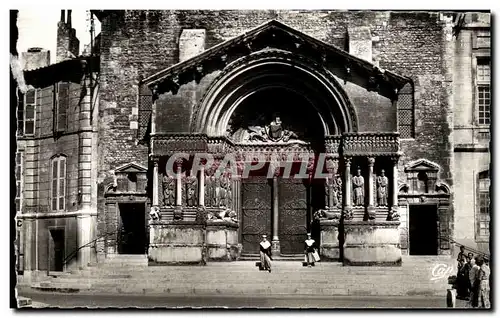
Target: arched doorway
(276, 104)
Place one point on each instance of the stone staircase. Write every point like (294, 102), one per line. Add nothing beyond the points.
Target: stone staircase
(417, 276)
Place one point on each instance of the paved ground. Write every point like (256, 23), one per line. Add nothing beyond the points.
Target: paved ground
(101, 301)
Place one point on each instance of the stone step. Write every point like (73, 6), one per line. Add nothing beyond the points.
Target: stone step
(243, 277)
(249, 280)
(127, 256)
(258, 289)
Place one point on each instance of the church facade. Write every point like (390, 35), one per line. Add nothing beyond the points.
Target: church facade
(213, 128)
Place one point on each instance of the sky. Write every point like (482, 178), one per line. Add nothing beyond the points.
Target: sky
(38, 28)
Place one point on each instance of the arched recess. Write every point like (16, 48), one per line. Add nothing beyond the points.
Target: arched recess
(264, 70)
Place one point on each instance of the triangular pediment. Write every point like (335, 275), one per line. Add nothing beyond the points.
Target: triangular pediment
(422, 165)
(276, 35)
(131, 167)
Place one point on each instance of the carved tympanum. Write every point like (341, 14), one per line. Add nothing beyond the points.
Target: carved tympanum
(272, 132)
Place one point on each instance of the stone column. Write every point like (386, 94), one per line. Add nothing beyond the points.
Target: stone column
(371, 205)
(155, 183)
(201, 195)
(178, 215)
(330, 191)
(348, 186)
(178, 185)
(275, 209)
(394, 214)
(275, 241)
(348, 183)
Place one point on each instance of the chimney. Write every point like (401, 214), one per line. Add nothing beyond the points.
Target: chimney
(36, 57)
(68, 45)
(68, 21)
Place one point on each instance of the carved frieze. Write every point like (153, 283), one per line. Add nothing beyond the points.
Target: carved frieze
(171, 144)
(370, 144)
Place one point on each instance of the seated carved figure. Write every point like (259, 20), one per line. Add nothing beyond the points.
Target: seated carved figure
(324, 214)
(226, 215)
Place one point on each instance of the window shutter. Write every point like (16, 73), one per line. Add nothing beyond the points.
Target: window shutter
(62, 106)
(20, 114)
(406, 112)
(62, 183)
(29, 112)
(145, 109)
(54, 184)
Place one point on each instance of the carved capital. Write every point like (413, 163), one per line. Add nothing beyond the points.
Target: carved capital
(277, 171)
(348, 161)
(371, 162)
(332, 165)
(178, 164)
(155, 161)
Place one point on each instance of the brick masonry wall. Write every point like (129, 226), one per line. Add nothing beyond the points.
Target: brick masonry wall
(140, 43)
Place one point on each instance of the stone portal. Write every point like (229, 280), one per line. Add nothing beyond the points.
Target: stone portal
(423, 229)
(132, 235)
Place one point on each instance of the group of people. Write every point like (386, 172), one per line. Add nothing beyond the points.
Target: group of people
(473, 279)
(311, 254)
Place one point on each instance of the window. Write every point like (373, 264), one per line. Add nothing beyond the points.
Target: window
(483, 215)
(20, 113)
(26, 113)
(61, 106)
(58, 185)
(483, 72)
(406, 113)
(19, 180)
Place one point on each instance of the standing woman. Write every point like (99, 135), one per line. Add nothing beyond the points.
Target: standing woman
(265, 254)
(309, 250)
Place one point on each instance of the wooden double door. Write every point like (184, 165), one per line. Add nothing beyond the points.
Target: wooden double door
(257, 213)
